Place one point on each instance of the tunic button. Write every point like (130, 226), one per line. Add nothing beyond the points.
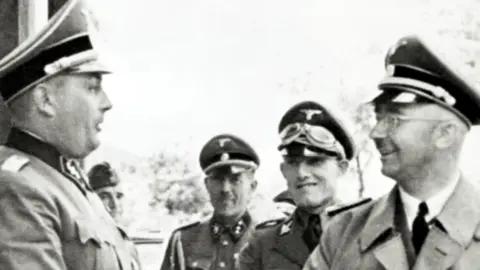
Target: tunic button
(221, 264)
(224, 242)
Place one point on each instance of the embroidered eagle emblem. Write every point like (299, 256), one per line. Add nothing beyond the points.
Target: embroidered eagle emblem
(223, 141)
(309, 113)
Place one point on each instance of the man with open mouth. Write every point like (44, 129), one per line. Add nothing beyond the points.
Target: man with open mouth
(316, 150)
(52, 83)
(431, 218)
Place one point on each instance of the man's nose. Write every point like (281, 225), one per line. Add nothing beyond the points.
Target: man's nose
(225, 184)
(303, 171)
(378, 131)
(113, 203)
(105, 104)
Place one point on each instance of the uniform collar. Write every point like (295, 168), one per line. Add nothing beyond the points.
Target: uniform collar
(32, 144)
(459, 217)
(302, 217)
(435, 203)
(235, 231)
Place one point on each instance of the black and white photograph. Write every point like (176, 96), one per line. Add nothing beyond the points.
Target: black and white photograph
(239, 135)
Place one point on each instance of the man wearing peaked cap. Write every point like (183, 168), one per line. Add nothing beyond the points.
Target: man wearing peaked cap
(316, 149)
(229, 164)
(227, 149)
(52, 83)
(431, 218)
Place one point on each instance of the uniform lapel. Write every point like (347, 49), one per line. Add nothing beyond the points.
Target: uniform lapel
(401, 226)
(440, 251)
(289, 242)
(459, 220)
(391, 254)
(380, 236)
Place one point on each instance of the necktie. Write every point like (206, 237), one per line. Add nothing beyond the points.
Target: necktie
(313, 232)
(420, 227)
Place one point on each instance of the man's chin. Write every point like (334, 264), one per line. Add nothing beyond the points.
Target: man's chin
(228, 213)
(80, 152)
(225, 213)
(94, 144)
(388, 171)
(313, 203)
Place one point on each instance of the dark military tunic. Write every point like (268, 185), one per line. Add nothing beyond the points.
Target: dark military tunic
(278, 246)
(285, 244)
(207, 245)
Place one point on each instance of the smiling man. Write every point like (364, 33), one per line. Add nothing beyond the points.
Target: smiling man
(316, 149)
(229, 164)
(431, 218)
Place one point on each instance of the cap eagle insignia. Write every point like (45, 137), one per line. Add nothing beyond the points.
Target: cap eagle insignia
(223, 141)
(309, 113)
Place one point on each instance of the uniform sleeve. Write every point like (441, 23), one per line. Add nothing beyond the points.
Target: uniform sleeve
(136, 257)
(250, 257)
(28, 229)
(323, 255)
(174, 258)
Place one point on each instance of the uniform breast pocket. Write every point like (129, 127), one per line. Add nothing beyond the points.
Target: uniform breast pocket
(88, 234)
(198, 264)
(281, 263)
(87, 247)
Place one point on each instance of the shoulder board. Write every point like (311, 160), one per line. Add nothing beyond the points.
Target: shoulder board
(14, 163)
(188, 226)
(269, 223)
(344, 207)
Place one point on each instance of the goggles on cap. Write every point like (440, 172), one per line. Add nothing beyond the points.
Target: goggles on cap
(307, 134)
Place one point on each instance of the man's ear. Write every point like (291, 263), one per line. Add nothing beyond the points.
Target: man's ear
(44, 99)
(254, 184)
(445, 134)
(343, 165)
(205, 180)
(282, 169)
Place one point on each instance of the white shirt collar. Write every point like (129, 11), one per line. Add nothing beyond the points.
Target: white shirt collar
(435, 204)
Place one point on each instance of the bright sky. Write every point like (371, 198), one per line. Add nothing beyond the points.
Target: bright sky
(187, 69)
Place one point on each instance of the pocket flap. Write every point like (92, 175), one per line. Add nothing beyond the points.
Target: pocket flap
(196, 263)
(87, 232)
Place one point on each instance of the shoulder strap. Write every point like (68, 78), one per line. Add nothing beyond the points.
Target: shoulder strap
(335, 210)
